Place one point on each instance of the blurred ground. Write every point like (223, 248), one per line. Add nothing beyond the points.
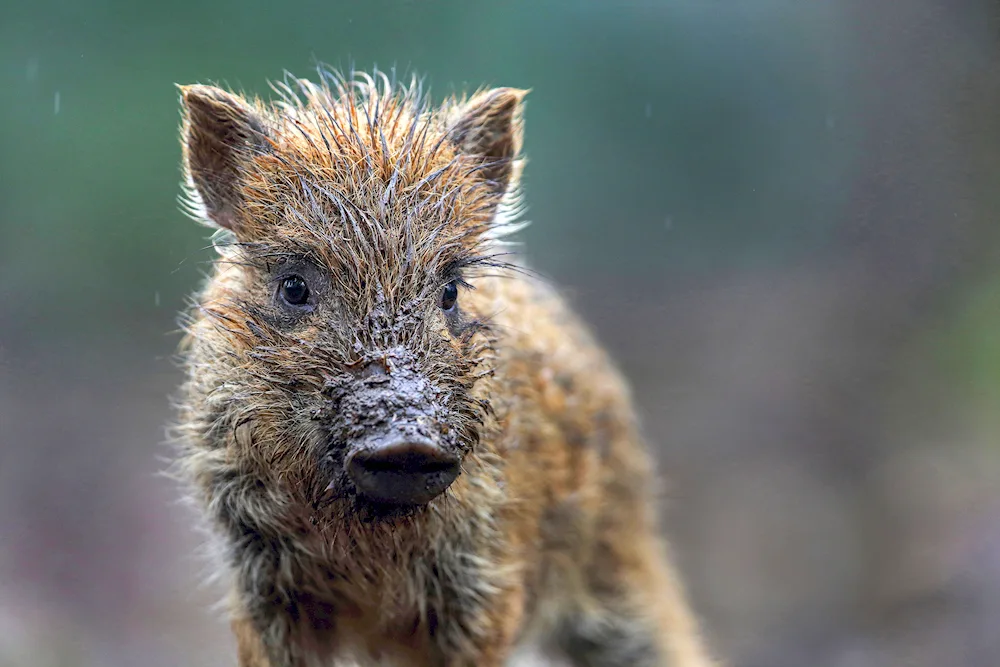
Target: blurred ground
(779, 216)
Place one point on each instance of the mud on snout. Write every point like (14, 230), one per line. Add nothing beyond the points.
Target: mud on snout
(388, 441)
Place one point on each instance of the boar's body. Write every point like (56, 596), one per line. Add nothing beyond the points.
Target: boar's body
(410, 451)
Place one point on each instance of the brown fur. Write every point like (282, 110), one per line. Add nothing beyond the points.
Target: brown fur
(378, 200)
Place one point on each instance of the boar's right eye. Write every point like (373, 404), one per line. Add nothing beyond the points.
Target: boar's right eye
(294, 291)
(449, 295)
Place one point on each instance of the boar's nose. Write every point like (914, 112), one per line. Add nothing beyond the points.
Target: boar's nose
(402, 470)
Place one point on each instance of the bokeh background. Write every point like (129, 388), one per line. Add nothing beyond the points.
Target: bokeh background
(779, 215)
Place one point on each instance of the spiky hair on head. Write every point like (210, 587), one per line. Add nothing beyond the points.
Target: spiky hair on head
(354, 152)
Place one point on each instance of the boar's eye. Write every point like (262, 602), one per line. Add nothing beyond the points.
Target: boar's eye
(449, 296)
(294, 291)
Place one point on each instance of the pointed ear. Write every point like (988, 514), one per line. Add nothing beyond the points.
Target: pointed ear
(489, 126)
(220, 135)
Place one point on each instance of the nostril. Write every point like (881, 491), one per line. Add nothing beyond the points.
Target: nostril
(411, 464)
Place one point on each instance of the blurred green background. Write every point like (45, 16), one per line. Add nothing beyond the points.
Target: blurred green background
(779, 215)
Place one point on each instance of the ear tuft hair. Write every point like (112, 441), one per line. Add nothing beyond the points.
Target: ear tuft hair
(489, 127)
(221, 134)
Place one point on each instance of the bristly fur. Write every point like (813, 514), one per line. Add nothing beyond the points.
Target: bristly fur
(377, 200)
(381, 130)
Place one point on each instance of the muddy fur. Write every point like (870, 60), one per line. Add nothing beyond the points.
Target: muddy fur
(377, 201)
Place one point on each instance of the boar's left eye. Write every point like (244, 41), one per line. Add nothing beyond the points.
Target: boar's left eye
(294, 291)
(449, 296)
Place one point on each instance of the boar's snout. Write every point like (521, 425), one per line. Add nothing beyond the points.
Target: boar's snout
(402, 469)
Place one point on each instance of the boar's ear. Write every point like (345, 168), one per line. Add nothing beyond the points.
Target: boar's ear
(220, 135)
(489, 127)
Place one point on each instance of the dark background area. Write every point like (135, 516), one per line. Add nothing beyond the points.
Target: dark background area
(779, 215)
